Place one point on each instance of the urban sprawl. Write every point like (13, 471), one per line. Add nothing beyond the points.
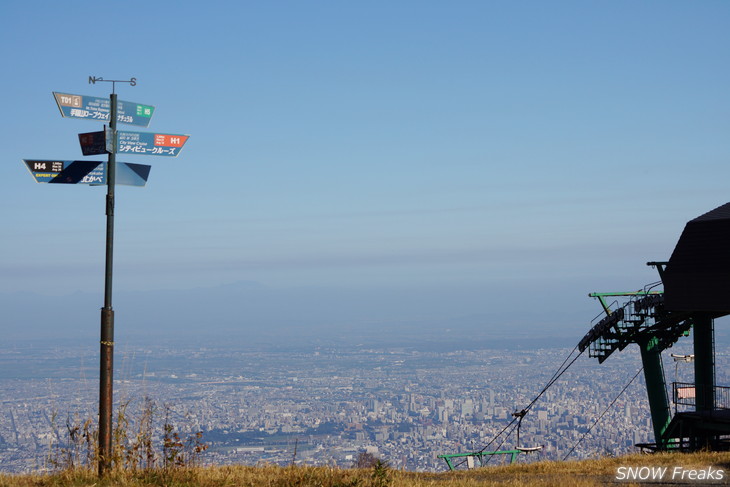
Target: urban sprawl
(323, 405)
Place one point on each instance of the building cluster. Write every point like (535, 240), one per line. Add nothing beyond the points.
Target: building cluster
(323, 406)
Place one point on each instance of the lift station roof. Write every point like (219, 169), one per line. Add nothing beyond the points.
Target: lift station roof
(697, 276)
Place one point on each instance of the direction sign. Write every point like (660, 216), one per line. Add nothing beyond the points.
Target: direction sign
(67, 172)
(92, 143)
(86, 172)
(132, 174)
(95, 108)
(150, 143)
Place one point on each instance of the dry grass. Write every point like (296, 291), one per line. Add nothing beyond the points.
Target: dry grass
(596, 472)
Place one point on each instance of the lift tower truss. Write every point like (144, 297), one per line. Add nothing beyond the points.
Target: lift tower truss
(640, 317)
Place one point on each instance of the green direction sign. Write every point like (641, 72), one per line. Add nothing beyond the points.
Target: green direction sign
(96, 108)
(150, 143)
(92, 173)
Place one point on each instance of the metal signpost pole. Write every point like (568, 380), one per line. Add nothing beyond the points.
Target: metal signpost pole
(106, 372)
(96, 173)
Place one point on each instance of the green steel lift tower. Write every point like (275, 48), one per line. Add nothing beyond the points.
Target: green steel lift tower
(696, 282)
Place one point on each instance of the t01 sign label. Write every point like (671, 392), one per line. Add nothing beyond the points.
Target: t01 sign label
(95, 108)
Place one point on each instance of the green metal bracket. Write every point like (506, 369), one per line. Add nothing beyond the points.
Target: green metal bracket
(480, 456)
(601, 297)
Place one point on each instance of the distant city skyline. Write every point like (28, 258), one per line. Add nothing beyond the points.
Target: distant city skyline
(406, 406)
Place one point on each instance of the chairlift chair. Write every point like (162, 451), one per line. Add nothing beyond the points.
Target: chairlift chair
(524, 449)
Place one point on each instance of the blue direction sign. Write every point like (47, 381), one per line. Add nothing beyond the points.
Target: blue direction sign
(86, 172)
(132, 174)
(67, 172)
(95, 108)
(150, 143)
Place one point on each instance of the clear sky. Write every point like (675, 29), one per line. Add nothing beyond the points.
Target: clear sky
(436, 159)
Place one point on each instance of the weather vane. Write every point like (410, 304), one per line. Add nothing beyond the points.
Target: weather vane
(93, 80)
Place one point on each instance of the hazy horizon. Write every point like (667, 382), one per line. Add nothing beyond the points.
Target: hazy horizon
(385, 166)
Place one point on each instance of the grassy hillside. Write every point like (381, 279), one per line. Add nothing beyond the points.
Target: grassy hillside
(688, 469)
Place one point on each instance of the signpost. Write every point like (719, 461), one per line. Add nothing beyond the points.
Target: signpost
(145, 143)
(150, 143)
(86, 172)
(95, 108)
(67, 172)
(94, 173)
(93, 143)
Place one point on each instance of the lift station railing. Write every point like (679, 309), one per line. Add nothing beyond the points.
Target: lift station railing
(683, 394)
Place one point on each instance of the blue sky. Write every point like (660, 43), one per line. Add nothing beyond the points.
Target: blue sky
(455, 157)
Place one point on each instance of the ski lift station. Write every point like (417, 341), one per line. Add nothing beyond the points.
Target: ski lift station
(693, 291)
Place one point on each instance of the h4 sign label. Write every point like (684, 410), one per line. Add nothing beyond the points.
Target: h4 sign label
(93, 173)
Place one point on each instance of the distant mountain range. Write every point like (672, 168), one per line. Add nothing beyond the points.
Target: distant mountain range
(298, 315)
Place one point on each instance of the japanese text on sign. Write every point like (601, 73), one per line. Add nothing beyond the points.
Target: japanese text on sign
(150, 143)
(95, 108)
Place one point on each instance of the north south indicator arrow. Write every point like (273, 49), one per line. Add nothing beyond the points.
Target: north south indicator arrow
(95, 108)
